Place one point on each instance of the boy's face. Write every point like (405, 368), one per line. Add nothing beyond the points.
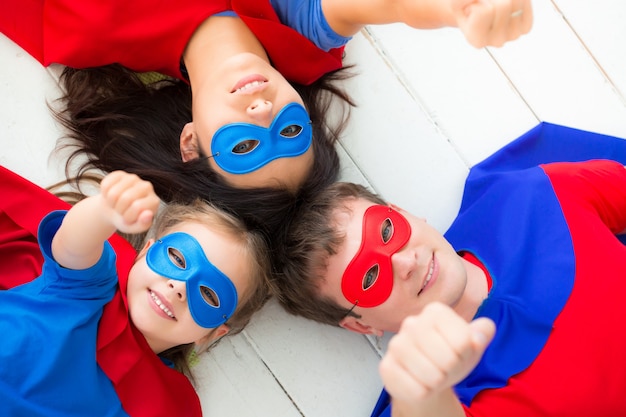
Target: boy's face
(415, 267)
(159, 306)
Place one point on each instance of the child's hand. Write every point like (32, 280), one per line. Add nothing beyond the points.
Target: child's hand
(432, 352)
(492, 22)
(132, 201)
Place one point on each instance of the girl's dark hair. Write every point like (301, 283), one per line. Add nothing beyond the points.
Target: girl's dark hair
(119, 122)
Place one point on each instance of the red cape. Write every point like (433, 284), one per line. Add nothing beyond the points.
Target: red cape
(145, 37)
(145, 386)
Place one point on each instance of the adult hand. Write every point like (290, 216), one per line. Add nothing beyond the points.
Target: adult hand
(431, 353)
(132, 201)
(492, 22)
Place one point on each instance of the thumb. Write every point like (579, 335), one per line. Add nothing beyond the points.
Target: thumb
(145, 219)
(483, 330)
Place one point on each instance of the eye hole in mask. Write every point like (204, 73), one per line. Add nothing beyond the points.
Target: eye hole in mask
(370, 277)
(386, 233)
(291, 131)
(386, 230)
(177, 258)
(245, 146)
(209, 296)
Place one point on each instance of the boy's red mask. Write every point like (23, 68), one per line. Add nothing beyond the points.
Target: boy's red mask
(368, 278)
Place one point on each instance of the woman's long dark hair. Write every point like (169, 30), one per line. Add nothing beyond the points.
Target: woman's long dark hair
(119, 122)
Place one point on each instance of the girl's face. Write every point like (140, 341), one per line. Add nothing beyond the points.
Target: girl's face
(246, 89)
(159, 306)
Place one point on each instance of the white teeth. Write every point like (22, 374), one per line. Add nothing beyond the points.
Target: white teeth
(249, 85)
(428, 277)
(430, 273)
(158, 302)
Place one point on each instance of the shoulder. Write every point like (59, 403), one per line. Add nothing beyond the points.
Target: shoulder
(102, 275)
(307, 18)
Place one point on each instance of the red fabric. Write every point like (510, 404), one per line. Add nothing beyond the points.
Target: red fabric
(142, 35)
(471, 258)
(587, 343)
(145, 386)
(293, 55)
(22, 206)
(146, 35)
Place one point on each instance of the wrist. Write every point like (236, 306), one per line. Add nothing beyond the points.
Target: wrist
(441, 403)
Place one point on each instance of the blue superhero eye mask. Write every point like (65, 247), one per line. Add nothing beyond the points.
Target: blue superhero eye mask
(240, 148)
(211, 295)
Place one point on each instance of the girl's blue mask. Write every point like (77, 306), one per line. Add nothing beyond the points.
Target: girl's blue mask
(211, 295)
(240, 148)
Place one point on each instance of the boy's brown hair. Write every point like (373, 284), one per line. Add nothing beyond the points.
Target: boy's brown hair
(311, 240)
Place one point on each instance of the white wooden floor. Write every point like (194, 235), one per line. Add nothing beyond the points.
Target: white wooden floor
(430, 106)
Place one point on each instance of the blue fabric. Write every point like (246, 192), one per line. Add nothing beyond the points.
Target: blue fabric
(514, 225)
(509, 198)
(273, 142)
(48, 347)
(547, 143)
(505, 196)
(307, 18)
(383, 405)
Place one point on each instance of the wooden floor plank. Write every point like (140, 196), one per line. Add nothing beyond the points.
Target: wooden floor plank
(28, 133)
(558, 78)
(395, 144)
(325, 370)
(601, 29)
(232, 380)
(465, 93)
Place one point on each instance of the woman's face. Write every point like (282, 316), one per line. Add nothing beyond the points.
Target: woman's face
(270, 144)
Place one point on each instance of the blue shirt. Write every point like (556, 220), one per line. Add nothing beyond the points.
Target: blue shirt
(307, 18)
(48, 346)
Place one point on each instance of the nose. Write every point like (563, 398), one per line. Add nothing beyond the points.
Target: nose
(260, 110)
(179, 288)
(404, 263)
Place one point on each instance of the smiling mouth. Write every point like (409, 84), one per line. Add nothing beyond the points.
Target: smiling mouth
(250, 84)
(429, 276)
(162, 306)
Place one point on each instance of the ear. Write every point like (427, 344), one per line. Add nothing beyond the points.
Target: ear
(143, 250)
(355, 325)
(211, 338)
(189, 143)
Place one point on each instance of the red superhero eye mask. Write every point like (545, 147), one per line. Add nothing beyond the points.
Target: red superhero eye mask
(368, 278)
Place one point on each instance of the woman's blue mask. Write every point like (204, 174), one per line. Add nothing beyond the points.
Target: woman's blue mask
(211, 295)
(240, 148)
